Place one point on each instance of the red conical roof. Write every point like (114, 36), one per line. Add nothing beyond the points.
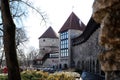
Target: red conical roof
(49, 33)
(72, 22)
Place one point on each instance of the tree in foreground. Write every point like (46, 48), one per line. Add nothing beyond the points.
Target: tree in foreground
(9, 36)
(9, 41)
(107, 12)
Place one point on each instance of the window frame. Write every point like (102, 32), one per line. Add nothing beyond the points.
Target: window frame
(64, 44)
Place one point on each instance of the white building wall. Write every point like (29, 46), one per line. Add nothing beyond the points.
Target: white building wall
(48, 42)
(47, 45)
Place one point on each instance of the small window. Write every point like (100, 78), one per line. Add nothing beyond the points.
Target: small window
(43, 40)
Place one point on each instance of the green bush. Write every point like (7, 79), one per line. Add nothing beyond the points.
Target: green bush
(33, 75)
(3, 77)
(40, 75)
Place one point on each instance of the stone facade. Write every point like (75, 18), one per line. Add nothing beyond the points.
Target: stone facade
(85, 55)
(51, 62)
(67, 60)
(83, 47)
(48, 49)
(47, 45)
(72, 28)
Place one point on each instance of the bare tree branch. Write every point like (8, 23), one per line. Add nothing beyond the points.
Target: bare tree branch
(43, 18)
(18, 15)
(1, 58)
(20, 36)
(1, 24)
(32, 7)
(1, 29)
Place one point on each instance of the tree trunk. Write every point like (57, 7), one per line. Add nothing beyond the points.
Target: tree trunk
(1, 60)
(9, 42)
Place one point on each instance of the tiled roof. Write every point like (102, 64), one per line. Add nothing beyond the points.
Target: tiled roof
(72, 22)
(49, 33)
(92, 26)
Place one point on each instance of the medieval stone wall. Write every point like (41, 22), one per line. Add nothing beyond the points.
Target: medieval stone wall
(85, 55)
(50, 62)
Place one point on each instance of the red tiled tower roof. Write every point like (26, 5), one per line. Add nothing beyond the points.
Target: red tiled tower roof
(49, 33)
(73, 22)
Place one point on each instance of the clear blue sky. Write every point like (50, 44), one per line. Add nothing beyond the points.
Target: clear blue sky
(57, 11)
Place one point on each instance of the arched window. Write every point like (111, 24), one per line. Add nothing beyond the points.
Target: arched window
(78, 64)
(60, 66)
(65, 66)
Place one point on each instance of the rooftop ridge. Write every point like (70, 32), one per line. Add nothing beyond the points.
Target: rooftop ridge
(73, 22)
(49, 33)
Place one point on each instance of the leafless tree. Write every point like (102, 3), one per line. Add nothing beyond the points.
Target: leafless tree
(9, 34)
(9, 41)
(21, 57)
(21, 36)
(32, 54)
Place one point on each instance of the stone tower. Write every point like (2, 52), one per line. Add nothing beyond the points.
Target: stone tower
(73, 27)
(48, 42)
